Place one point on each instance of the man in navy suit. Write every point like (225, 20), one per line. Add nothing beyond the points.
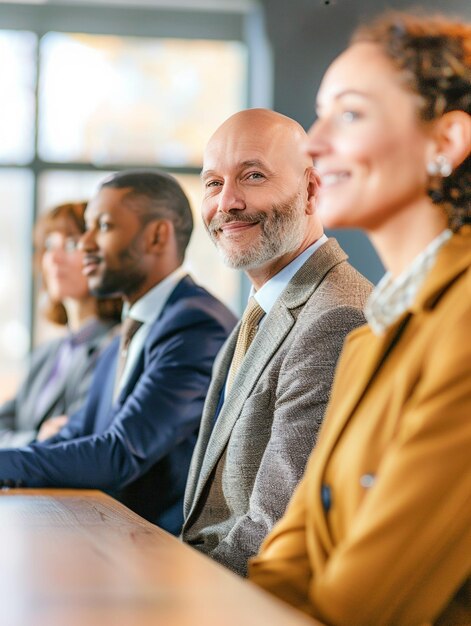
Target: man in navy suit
(135, 435)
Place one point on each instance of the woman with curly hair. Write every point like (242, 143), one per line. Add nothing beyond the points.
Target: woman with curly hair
(59, 372)
(379, 530)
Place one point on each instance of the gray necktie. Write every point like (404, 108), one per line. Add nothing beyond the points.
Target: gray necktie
(248, 329)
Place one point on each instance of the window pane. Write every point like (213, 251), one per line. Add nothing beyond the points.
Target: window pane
(15, 272)
(56, 187)
(110, 99)
(202, 259)
(17, 69)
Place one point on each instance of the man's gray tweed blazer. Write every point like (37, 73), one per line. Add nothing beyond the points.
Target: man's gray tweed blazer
(244, 470)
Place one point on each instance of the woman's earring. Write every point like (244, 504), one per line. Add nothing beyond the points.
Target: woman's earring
(440, 166)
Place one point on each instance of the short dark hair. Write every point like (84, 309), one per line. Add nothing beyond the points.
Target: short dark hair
(163, 199)
(433, 54)
(73, 212)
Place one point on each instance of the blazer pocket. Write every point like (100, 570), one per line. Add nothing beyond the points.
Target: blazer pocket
(251, 433)
(257, 411)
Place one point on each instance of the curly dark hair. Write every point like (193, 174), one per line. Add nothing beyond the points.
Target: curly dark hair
(433, 55)
(73, 212)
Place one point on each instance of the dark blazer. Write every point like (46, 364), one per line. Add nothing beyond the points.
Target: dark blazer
(139, 447)
(21, 417)
(246, 467)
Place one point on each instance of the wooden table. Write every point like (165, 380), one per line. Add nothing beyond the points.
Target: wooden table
(70, 558)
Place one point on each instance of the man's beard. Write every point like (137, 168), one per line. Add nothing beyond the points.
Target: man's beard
(282, 232)
(124, 280)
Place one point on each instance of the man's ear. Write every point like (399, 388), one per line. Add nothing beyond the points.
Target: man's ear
(453, 137)
(158, 235)
(313, 184)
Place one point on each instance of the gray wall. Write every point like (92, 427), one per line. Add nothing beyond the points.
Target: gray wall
(306, 35)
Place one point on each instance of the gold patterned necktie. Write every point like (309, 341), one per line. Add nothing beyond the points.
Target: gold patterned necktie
(128, 329)
(248, 329)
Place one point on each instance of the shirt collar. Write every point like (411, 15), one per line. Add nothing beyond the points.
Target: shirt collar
(149, 307)
(394, 296)
(90, 330)
(268, 294)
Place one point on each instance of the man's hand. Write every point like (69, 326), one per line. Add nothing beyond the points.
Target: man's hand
(51, 427)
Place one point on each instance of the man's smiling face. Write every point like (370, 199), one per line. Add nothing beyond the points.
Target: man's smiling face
(255, 198)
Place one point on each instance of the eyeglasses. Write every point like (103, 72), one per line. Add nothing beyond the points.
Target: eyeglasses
(57, 241)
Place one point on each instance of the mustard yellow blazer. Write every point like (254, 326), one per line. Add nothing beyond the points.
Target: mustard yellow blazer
(379, 530)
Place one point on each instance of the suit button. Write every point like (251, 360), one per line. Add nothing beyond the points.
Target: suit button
(367, 480)
(326, 497)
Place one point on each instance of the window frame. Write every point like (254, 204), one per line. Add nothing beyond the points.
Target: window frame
(245, 24)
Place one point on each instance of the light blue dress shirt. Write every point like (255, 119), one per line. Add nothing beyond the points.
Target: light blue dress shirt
(268, 294)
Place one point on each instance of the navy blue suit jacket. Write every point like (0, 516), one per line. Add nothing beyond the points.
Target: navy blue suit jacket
(139, 447)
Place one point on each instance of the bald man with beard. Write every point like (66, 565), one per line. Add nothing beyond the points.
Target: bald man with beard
(263, 412)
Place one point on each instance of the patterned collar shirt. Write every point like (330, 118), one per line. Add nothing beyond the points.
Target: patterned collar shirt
(392, 297)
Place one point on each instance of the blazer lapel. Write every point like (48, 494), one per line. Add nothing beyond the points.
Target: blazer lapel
(220, 369)
(453, 259)
(355, 380)
(42, 372)
(66, 382)
(182, 287)
(75, 370)
(218, 380)
(267, 341)
(273, 331)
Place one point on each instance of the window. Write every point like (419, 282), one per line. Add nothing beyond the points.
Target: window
(107, 99)
(15, 271)
(90, 91)
(17, 105)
